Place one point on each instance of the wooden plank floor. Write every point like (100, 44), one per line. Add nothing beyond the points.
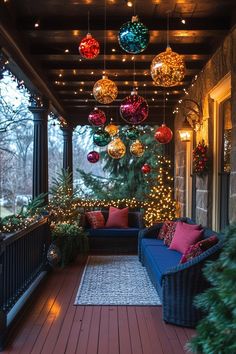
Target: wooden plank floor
(52, 324)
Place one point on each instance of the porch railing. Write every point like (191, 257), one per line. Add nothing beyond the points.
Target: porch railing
(23, 259)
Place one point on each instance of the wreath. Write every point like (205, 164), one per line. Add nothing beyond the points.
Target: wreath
(200, 159)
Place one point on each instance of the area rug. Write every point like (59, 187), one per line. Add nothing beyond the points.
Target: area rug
(116, 280)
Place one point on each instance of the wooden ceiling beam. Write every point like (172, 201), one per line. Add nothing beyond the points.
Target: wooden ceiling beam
(114, 23)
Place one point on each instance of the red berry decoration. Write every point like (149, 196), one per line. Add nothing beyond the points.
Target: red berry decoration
(163, 134)
(97, 117)
(89, 47)
(200, 159)
(93, 156)
(146, 168)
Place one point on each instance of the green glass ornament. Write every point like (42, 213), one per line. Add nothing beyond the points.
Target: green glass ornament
(101, 138)
(132, 133)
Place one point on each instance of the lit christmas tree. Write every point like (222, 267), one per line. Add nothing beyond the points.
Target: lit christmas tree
(160, 205)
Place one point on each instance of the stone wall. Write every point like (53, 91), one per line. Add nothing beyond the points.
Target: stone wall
(222, 62)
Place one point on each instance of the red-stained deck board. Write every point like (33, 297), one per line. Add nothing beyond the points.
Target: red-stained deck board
(52, 324)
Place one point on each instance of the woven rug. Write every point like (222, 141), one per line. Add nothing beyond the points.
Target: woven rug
(116, 280)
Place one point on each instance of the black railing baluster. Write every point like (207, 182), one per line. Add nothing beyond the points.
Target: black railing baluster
(22, 258)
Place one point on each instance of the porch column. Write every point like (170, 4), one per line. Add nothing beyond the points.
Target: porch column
(40, 149)
(67, 149)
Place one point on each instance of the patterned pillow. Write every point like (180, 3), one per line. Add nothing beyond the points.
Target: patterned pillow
(162, 231)
(170, 230)
(95, 219)
(197, 249)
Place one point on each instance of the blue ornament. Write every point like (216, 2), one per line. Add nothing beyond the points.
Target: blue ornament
(133, 36)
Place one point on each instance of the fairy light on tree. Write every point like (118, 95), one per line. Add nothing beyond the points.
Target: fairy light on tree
(159, 204)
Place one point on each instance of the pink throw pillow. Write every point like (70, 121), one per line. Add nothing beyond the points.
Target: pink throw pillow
(95, 219)
(197, 249)
(117, 218)
(185, 236)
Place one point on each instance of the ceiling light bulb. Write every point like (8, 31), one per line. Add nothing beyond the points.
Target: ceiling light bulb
(183, 21)
(129, 3)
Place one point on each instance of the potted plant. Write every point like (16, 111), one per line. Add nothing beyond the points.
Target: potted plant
(70, 239)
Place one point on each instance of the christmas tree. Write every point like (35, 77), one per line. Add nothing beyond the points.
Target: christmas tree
(216, 333)
(62, 207)
(159, 204)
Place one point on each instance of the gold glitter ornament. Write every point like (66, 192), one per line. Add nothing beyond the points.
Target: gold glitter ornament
(167, 68)
(105, 91)
(112, 129)
(116, 148)
(137, 148)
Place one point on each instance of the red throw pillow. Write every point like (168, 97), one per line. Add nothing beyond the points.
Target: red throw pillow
(95, 219)
(185, 236)
(117, 218)
(197, 249)
(163, 230)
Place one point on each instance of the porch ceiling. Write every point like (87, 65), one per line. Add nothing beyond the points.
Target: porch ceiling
(70, 79)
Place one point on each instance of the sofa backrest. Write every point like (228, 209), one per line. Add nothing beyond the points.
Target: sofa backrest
(206, 231)
(135, 219)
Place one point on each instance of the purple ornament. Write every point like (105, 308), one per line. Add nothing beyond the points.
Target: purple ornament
(97, 117)
(93, 156)
(134, 109)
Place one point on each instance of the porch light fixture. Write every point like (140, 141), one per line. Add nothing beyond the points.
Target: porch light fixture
(185, 132)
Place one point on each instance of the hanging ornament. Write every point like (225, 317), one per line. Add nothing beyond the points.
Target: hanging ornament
(137, 148)
(105, 91)
(167, 68)
(53, 255)
(112, 129)
(93, 156)
(116, 148)
(163, 134)
(97, 117)
(146, 168)
(89, 47)
(132, 133)
(134, 109)
(101, 138)
(133, 36)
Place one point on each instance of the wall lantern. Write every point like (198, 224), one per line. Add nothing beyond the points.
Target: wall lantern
(185, 132)
(192, 112)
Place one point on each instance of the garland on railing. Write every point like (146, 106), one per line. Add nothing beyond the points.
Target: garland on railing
(200, 159)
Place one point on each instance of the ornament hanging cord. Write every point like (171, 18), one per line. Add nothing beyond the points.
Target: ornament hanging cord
(88, 22)
(168, 29)
(105, 28)
(164, 106)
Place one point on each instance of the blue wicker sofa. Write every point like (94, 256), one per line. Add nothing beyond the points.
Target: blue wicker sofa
(177, 284)
(115, 240)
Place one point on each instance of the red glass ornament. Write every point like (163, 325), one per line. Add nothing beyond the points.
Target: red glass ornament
(93, 156)
(89, 47)
(146, 168)
(97, 117)
(134, 109)
(163, 134)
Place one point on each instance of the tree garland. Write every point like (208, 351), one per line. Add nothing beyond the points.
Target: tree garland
(200, 159)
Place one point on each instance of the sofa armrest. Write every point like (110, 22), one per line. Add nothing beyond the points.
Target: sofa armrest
(181, 284)
(149, 232)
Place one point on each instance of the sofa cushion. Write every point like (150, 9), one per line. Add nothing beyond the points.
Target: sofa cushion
(95, 219)
(114, 232)
(185, 235)
(197, 249)
(161, 259)
(118, 218)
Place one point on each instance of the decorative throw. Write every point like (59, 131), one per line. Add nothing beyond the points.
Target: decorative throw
(197, 249)
(95, 219)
